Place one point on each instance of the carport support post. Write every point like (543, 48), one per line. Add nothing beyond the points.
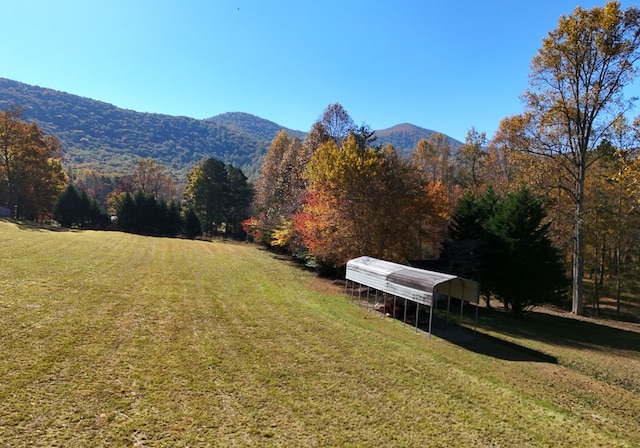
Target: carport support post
(448, 302)
(368, 290)
(394, 306)
(417, 311)
(405, 311)
(475, 325)
(462, 302)
(430, 317)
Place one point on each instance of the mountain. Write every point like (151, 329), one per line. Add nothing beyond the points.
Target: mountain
(404, 137)
(98, 135)
(250, 124)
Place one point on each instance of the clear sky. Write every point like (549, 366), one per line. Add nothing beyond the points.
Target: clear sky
(445, 65)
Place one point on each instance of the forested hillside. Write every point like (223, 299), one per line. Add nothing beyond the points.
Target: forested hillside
(404, 137)
(98, 135)
(104, 137)
(251, 125)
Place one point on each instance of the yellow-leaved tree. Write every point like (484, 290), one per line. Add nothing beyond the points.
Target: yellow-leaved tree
(577, 92)
(363, 201)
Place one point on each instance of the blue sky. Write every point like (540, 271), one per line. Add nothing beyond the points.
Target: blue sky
(446, 65)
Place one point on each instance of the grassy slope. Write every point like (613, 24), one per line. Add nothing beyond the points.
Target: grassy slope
(110, 339)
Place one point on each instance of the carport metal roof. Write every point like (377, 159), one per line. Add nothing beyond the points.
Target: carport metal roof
(418, 285)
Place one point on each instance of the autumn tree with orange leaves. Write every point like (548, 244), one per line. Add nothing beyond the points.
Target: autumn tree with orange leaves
(31, 174)
(363, 201)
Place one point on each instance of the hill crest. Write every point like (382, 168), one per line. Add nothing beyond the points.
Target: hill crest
(95, 134)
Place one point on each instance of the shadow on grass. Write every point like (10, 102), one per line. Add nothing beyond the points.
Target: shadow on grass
(476, 341)
(34, 226)
(535, 326)
(485, 344)
(562, 331)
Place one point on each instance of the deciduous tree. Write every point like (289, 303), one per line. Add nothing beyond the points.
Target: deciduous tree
(472, 154)
(337, 123)
(153, 178)
(363, 202)
(433, 158)
(31, 174)
(280, 189)
(577, 83)
(95, 184)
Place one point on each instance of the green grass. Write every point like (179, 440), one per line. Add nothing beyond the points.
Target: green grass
(109, 339)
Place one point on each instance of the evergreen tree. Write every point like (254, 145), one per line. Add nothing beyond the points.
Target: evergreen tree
(504, 245)
(519, 262)
(75, 209)
(237, 200)
(219, 194)
(146, 215)
(191, 227)
(467, 231)
(172, 221)
(65, 211)
(126, 214)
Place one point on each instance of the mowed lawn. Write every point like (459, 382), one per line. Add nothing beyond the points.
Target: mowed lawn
(110, 339)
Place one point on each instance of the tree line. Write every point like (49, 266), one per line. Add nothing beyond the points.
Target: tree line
(559, 181)
(34, 186)
(113, 139)
(569, 160)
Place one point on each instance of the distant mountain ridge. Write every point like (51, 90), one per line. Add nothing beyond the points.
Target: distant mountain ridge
(252, 125)
(98, 135)
(404, 137)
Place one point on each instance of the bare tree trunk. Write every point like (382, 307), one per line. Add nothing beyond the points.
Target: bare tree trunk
(578, 248)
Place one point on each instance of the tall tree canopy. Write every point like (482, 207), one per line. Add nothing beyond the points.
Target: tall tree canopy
(503, 243)
(433, 157)
(337, 123)
(280, 189)
(470, 160)
(577, 84)
(31, 175)
(364, 201)
(152, 178)
(219, 194)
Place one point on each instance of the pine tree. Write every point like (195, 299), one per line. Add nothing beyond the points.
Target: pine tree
(520, 263)
(503, 243)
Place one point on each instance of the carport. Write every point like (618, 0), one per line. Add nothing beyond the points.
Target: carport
(411, 284)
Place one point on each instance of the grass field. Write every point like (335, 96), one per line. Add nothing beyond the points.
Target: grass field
(110, 339)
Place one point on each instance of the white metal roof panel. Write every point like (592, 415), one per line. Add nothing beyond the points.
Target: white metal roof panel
(411, 283)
